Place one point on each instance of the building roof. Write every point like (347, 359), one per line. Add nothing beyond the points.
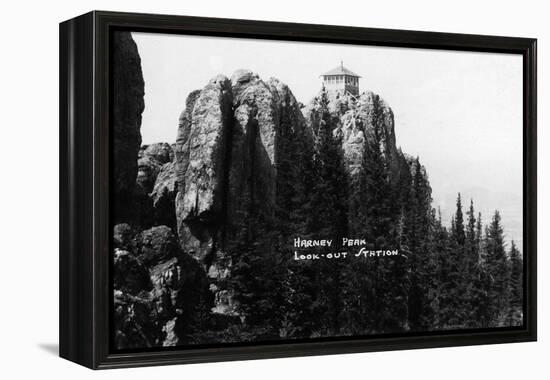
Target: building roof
(341, 70)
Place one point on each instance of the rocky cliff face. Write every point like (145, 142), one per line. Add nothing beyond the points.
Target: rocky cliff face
(159, 290)
(225, 156)
(128, 105)
(201, 162)
(252, 173)
(226, 163)
(356, 119)
(151, 202)
(164, 194)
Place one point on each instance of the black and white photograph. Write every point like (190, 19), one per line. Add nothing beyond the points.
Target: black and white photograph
(240, 190)
(278, 191)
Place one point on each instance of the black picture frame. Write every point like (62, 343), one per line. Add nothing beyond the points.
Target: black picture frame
(84, 184)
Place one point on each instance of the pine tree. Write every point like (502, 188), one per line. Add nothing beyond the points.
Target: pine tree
(418, 244)
(497, 270)
(253, 280)
(459, 233)
(515, 287)
(453, 310)
(471, 236)
(479, 235)
(482, 282)
(474, 296)
(442, 303)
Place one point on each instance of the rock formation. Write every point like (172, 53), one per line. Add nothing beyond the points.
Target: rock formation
(162, 153)
(180, 210)
(159, 290)
(253, 171)
(151, 159)
(128, 104)
(201, 159)
(356, 119)
(225, 155)
(164, 196)
(226, 164)
(156, 185)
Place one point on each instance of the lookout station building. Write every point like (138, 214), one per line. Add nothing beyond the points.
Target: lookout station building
(341, 80)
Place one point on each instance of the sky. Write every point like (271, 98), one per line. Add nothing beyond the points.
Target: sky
(460, 112)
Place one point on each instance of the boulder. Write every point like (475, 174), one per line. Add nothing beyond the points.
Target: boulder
(151, 159)
(156, 245)
(163, 196)
(123, 235)
(148, 170)
(129, 274)
(161, 152)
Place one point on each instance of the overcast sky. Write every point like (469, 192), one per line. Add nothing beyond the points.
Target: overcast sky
(459, 111)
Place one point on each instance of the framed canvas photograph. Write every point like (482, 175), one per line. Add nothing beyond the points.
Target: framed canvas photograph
(234, 189)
